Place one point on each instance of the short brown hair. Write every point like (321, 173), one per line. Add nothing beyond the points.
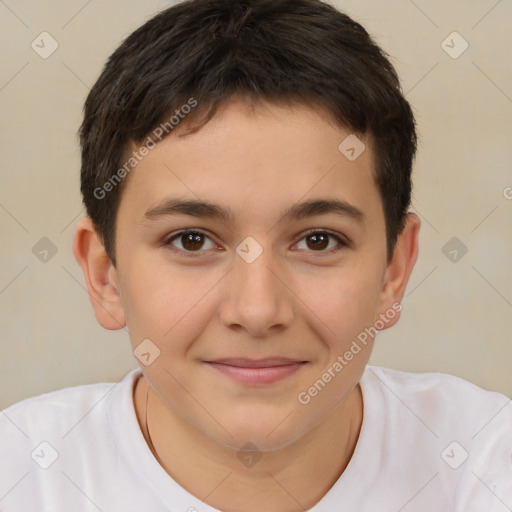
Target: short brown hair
(293, 51)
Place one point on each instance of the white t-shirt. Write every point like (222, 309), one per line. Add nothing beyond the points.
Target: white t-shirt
(428, 442)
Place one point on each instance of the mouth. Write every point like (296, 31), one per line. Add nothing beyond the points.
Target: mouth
(257, 371)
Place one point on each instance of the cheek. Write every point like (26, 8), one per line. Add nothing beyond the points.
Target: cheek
(344, 300)
(166, 305)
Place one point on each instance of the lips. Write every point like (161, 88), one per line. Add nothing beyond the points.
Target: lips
(257, 371)
(257, 363)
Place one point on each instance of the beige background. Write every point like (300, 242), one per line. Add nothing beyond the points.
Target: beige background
(457, 315)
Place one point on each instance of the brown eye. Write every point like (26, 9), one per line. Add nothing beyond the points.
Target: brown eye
(320, 241)
(190, 241)
(317, 241)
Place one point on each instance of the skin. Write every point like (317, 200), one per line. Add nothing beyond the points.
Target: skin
(295, 300)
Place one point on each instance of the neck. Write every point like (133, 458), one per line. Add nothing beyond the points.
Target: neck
(293, 478)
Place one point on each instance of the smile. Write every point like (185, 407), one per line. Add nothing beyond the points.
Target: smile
(250, 371)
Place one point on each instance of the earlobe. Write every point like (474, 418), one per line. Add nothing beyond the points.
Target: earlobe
(100, 276)
(400, 267)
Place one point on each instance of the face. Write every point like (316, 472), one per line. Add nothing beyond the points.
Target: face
(261, 296)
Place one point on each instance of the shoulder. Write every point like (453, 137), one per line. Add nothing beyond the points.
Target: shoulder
(439, 408)
(437, 391)
(57, 411)
(461, 432)
(55, 437)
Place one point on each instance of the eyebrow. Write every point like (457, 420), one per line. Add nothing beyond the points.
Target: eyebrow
(204, 209)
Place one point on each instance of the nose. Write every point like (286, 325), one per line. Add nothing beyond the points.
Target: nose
(256, 297)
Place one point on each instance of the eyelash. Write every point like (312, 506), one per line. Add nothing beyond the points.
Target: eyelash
(194, 254)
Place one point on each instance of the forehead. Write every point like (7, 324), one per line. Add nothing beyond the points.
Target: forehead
(252, 160)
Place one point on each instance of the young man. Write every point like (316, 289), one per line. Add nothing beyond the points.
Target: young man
(246, 173)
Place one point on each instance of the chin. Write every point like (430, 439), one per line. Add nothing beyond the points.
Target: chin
(265, 435)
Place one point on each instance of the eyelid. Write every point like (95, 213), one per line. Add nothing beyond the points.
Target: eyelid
(177, 234)
(335, 234)
(341, 239)
(186, 231)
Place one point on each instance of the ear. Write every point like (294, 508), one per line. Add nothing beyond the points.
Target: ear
(100, 276)
(399, 269)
